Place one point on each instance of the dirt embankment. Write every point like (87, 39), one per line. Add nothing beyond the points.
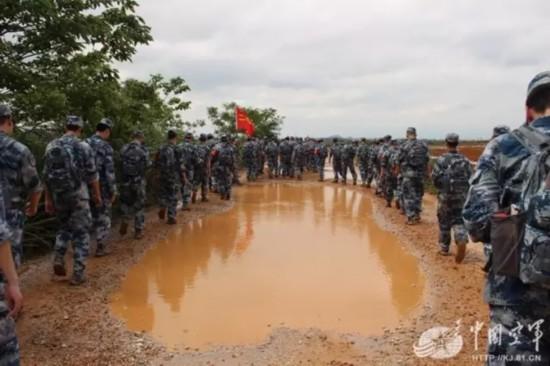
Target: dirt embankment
(63, 325)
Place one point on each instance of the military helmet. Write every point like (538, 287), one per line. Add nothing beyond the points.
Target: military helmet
(387, 138)
(500, 130)
(411, 131)
(452, 138)
(74, 121)
(137, 134)
(540, 81)
(223, 138)
(107, 122)
(5, 110)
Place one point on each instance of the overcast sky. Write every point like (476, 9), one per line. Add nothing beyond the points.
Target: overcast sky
(353, 67)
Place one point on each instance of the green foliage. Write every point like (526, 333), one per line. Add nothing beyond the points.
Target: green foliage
(268, 121)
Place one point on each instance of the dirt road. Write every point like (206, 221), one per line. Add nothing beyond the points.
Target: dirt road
(62, 325)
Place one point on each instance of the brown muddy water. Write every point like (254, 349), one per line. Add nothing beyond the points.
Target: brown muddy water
(299, 256)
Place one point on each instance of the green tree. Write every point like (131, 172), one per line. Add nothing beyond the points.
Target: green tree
(267, 121)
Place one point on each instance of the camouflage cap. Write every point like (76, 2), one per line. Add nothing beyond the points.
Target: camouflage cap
(138, 134)
(107, 122)
(189, 135)
(411, 130)
(539, 82)
(5, 110)
(224, 138)
(452, 138)
(74, 121)
(387, 138)
(500, 130)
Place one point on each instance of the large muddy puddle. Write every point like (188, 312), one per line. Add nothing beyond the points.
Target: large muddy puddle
(289, 255)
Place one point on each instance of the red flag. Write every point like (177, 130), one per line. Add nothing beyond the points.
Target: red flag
(243, 122)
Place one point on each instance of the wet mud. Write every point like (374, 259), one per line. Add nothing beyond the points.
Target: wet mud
(286, 255)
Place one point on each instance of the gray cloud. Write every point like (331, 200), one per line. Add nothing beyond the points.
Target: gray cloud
(353, 67)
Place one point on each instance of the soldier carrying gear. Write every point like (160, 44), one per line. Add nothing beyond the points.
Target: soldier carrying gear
(135, 160)
(105, 165)
(450, 175)
(69, 169)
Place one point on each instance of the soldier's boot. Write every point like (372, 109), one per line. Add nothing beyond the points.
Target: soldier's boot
(460, 253)
(443, 252)
(138, 234)
(388, 203)
(355, 182)
(101, 251)
(335, 180)
(411, 221)
(123, 228)
(367, 185)
(171, 221)
(59, 267)
(194, 197)
(77, 279)
(162, 213)
(204, 199)
(397, 205)
(344, 182)
(185, 207)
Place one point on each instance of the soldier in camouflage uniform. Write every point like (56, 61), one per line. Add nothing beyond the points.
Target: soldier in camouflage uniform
(202, 169)
(188, 155)
(388, 175)
(250, 159)
(374, 166)
(299, 156)
(260, 160)
(135, 160)
(349, 151)
(210, 143)
(234, 145)
(285, 150)
(321, 157)
(363, 153)
(105, 165)
(518, 306)
(69, 169)
(222, 167)
(20, 180)
(11, 300)
(413, 164)
(272, 155)
(399, 204)
(335, 156)
(172, 175)
(382, 164)
(450, 175)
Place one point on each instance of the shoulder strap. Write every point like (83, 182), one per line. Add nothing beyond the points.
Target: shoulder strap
(531, 138)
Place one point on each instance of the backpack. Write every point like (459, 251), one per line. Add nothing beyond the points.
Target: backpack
(6, 144)
(167, 157)
(62, 174)
(534, 243)
(132, 161)
(457, 175)
(417, 154)
(225, 156)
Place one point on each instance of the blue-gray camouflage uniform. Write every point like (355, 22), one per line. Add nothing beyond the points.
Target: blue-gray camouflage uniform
(187, 153)
(71, 199)
(20, 179)
(349, 151)
(285, 150)
(222, 167)
(250, 159)
(413, 162)
(321, 153)
(9, 345)
(105, 166)
(171, 169)
(272, 155)
(496, 185)
(450, 175)
(363, 157)
(134, 158)
(299, 160)
(336, 156)
(201, 170)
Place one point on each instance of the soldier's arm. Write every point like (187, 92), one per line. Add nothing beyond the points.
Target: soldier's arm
(90, 173)
(31, 182)
(110, 171)
(13, 292)
(484, 193)
(437, 174)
